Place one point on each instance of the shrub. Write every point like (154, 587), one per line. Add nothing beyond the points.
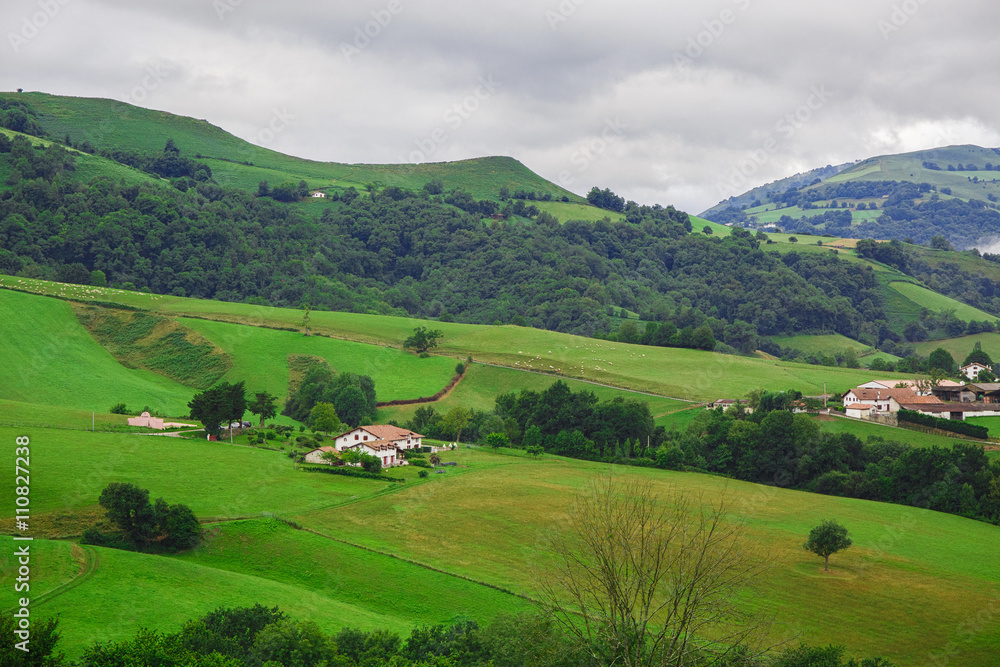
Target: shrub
(119, 409)
(423, 473)
(952, 425)
(354, 472)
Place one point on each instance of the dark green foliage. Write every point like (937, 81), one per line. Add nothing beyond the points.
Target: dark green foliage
(264, 406)
(41, 645)
(978, 356)
(145, 525)
(217, 407)
(606, 199)
(781, 449)
(422, 339)
(824, 656)
(352, 396)
(119, 409)
(575, 424)
(827, 539)
(942, 360)
(952, 425)
(353, 472)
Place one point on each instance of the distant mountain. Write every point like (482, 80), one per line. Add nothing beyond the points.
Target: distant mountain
(951, 192)
(761, 192)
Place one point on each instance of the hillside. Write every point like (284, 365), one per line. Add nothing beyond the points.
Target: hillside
(111, 124)
(914, 572)
(950, 192)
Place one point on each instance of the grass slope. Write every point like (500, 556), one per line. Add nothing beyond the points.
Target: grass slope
(128, 591)
(58, 363)
(938, 302)
(260, 357)
(686, 374)
(821, 344)
(112, 124)
(913, 579)
(960, 347)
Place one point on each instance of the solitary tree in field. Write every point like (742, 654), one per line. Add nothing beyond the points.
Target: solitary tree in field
(263, 404)
(827, 539)
(422, 339)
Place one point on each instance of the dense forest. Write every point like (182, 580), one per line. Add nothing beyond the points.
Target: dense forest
(400, 252)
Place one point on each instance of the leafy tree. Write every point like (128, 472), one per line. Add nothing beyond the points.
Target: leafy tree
(128, 507)
(370, 463)
(119, 409)
(706, 230)
(978, 356)
(455, 420)
(178, 525)
(826, 539)
(323, 417)
(224, 403)
(942, 360)
(422, 339)
(41, 646)
(497, 440)
(535, 450)
(263, 405)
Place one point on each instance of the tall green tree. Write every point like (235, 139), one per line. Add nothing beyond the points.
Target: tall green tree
(827, 539)
(978, 356)
(223, 403)
(942, 360)
(423, 339)
(263, 405)
(323, 417)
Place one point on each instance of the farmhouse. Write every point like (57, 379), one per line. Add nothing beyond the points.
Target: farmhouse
(384, 450)
(726, 403)
(316, 455)
(318, 194)
(401, 437)
(972, 370)
(986, 392)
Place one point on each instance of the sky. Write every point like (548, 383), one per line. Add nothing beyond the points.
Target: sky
(664, 102)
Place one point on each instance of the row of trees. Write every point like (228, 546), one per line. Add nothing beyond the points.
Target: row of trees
(226, 403)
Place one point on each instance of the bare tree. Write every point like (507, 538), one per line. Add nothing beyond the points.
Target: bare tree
(645, 579)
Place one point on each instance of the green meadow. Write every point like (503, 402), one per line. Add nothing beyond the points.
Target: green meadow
(260, 358)
(938, 302)
(916, 575)
(670, 372)
(827, 344)
(59, 363)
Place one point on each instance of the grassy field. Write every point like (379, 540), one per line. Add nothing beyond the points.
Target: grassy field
(481, 385)
(260, 358)
(566, 211)
(59, 363)
(822, 344)
(16, 413)
(678, 373)
(938, 302)
(916, 575)
(486, 519)
(960, 347)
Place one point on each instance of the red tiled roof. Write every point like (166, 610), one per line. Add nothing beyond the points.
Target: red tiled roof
(388, 432)
(901, 395)
(861, 406)
(374, 445)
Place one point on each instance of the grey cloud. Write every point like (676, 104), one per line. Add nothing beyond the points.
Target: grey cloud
(699, 86)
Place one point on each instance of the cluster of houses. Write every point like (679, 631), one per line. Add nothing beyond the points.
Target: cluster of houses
(382, 441)
(880, 401)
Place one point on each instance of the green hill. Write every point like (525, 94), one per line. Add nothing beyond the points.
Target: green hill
(116, 125)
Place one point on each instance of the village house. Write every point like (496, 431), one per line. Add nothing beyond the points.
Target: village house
(401, 437)
(986, 392)
(726, 403)
(972, 370)
(316, 455)
(318, 194)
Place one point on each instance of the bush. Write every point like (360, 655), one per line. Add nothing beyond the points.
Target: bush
(354, 472)
(423, 473)
(952, 425)
(119, 409)
(420, 463)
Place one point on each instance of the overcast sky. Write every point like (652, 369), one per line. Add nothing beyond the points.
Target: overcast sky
(681, 103)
